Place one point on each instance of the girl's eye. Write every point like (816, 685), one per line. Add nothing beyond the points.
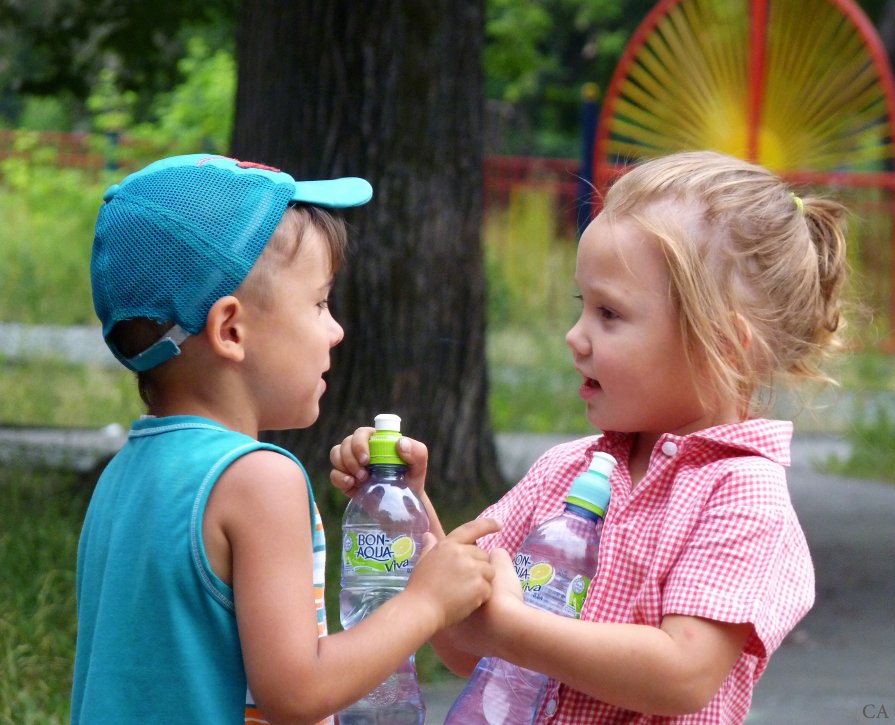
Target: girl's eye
(323, 304)
(605, 313)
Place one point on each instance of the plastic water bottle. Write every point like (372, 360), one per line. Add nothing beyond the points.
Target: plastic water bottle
(382, 537)
(555, 565)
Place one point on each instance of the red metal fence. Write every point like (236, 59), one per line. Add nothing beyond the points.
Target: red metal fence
(502, 174)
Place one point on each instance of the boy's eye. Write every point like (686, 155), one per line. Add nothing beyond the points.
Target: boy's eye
(323, 304)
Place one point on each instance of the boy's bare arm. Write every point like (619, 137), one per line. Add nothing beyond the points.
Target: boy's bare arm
(262, 504)
(669, 670)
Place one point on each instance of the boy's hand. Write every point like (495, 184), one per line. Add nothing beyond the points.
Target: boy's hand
(479, 634)
(350, 458)
(453, 576)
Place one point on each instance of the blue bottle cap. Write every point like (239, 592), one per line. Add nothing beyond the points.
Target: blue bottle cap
(591, 489)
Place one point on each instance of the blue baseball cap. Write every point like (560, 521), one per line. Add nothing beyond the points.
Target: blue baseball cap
(176, 236)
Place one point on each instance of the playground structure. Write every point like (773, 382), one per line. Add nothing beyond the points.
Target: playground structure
(804, 88)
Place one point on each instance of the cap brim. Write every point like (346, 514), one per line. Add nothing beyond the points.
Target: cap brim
(335, 193)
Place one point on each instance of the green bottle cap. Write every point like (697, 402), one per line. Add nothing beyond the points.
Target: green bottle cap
(591, 490)
(383, 443)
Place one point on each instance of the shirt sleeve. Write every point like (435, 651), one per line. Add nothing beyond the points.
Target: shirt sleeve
(747, 560)
(539, 495)
(514, 511)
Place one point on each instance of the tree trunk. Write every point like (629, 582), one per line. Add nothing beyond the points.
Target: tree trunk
(392, 91)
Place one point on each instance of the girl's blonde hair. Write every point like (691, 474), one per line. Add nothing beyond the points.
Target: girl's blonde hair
(756, 272)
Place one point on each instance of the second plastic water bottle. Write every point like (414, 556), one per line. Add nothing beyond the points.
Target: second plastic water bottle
(555, 565)
(382, 537)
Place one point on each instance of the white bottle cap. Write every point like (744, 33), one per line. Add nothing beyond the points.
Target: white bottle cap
(387, 421)
(602, 463)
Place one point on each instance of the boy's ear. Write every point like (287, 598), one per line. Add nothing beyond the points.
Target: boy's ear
(225, 329)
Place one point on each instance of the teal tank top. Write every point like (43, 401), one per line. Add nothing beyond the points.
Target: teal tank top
(157, 635)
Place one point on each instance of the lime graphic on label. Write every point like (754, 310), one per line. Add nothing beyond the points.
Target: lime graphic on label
(402, 548)
(540, 574)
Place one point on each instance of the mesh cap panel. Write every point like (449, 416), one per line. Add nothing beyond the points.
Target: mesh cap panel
(175, 237)
(170, 244)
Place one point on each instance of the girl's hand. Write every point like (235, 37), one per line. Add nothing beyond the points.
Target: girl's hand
(481, 632)
(453, 576)
(351, 457)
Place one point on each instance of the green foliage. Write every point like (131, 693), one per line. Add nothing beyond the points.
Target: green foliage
(45, 113)
(197, 115)
(112, 109)
(514, 56)
(530, 269)
(48, 215)
(530, 308)
(40, 519)
(533, 384)
(538, 55)
(872, 452)
(62, 47)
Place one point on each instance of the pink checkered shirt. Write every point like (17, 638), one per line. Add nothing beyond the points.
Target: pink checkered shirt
(709, 532)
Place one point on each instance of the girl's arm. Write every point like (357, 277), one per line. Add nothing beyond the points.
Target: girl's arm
(258, 519)
(670, 670)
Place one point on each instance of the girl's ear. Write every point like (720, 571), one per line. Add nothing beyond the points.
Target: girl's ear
(225, 329)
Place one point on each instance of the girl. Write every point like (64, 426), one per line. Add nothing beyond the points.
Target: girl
(702, 281)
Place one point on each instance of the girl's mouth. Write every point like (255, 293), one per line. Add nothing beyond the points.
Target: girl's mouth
(589, 388)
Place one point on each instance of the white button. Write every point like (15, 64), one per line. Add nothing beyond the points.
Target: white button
(550, 708)
(669, 448)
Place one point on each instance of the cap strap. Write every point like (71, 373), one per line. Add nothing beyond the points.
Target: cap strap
(165, 348)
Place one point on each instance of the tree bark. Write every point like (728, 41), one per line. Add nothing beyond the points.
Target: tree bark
(392, 91)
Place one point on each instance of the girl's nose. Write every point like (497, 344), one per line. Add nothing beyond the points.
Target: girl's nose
(573, 337)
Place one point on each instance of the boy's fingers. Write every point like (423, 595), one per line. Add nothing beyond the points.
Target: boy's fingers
(344, 460)
(343, 482)
(412, 451)
(358, 445)
(469, 532)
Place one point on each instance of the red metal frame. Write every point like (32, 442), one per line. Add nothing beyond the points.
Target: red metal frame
(605, 172)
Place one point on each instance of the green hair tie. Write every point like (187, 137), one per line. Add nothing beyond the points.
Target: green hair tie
(800, 205)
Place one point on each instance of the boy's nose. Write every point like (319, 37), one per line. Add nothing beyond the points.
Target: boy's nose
(338, 334)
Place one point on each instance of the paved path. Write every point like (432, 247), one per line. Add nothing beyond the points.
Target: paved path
(77, 344)
(838, 666)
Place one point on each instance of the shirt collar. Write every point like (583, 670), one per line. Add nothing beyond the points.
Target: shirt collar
(767, 438)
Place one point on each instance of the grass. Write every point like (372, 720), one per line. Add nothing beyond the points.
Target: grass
(55, 393)
(40, 519)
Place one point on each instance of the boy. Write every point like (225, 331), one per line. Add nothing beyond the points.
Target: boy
(200, 564)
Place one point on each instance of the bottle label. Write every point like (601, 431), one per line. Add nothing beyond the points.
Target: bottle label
(547, 588)
(374, 551)
(533, 575)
